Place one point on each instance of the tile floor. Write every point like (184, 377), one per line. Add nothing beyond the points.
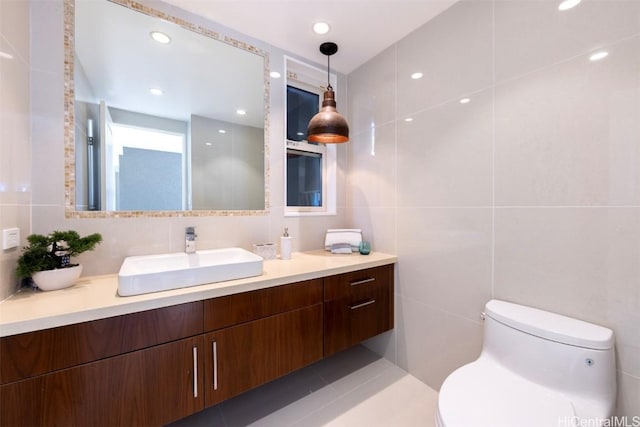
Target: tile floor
(350, 389)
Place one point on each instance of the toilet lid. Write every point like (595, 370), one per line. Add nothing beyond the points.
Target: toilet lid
(482, 394)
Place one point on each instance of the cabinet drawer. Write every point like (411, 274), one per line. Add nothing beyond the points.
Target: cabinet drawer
(35, 353)
(357, 306)
(231, 310)
(357, 284)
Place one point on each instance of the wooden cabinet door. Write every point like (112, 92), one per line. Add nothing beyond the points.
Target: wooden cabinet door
(150, 387)
(245, 356)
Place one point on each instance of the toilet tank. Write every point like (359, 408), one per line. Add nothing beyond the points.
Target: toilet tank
(570, 356)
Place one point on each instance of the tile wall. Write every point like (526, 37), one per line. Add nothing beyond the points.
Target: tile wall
(529, 192)
(136, 236)
(15, 144)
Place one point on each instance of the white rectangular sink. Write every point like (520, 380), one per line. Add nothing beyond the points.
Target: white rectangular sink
(153, 273)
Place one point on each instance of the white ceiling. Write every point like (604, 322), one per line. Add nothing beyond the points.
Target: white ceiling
(361, 28)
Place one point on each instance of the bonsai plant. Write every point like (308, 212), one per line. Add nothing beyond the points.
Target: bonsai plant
(54, 252)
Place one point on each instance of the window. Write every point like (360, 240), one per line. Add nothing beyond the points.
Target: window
(304, 178)
(301, 107)
(310, 168)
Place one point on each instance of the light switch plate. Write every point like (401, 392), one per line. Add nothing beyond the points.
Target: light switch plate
(10, 238)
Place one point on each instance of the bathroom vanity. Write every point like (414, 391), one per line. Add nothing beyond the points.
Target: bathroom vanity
(153, 359)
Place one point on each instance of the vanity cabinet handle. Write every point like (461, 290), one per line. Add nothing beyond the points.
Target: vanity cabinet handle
(364, 304)
(362, 282)
(215, 365)
(195, 372)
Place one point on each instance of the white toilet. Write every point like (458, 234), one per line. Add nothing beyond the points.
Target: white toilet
(536, 369)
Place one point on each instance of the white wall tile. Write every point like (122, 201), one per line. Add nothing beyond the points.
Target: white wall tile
(385, 344)
(8, 278)
(445, 155)
(433, 343)
(534, 34)
(372, 154)
(454, 53)
(372, 93)
(15, 153)
(46, 32)
(14, 27)
(628, 398)
(47, 132)
(444, 258)
(568, 134)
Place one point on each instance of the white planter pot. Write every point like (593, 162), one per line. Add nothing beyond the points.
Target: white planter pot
(50, 280)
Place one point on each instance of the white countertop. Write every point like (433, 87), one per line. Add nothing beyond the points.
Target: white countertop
(97, 297)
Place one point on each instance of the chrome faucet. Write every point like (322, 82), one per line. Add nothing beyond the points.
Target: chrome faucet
(190, 240)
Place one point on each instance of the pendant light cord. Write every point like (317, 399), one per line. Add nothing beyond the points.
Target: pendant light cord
(329, 73)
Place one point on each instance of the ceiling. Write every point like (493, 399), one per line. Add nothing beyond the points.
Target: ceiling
(361, 28)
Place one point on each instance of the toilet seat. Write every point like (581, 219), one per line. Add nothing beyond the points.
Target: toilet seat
(483, 394)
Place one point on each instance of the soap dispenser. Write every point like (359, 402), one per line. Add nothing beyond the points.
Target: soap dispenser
(285, 245)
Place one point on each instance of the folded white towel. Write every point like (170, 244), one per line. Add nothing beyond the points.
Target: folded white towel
(352, 236)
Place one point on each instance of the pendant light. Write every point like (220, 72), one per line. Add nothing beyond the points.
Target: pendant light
(328, 126)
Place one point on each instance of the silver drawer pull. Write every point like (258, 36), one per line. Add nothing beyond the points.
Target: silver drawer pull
(362, 282)
(195, 372)
(364, 304)
(215, 365)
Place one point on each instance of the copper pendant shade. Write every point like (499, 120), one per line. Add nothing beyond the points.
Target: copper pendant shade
(328, 126)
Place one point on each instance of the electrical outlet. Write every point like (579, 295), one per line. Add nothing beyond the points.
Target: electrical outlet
(10, 238)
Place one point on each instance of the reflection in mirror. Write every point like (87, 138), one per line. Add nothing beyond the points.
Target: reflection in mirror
(167, 117)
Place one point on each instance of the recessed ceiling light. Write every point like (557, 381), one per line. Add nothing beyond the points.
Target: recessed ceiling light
(408, 119)
(321, 28)
(5, 55)
(241, 112)
(160, 37)
(209, 144)
(598, 56)
(155, 91)
(222, 131)
(274, 74)
(465, 101)
(568, 4)
(416, 76)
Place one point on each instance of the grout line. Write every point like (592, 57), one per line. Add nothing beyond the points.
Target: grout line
(568, 207)
(450, 313)
(493, 149)
(517, 207)
(628, 374)
(396, 209)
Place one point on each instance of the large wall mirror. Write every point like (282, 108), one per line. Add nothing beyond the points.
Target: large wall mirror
(163, 116)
